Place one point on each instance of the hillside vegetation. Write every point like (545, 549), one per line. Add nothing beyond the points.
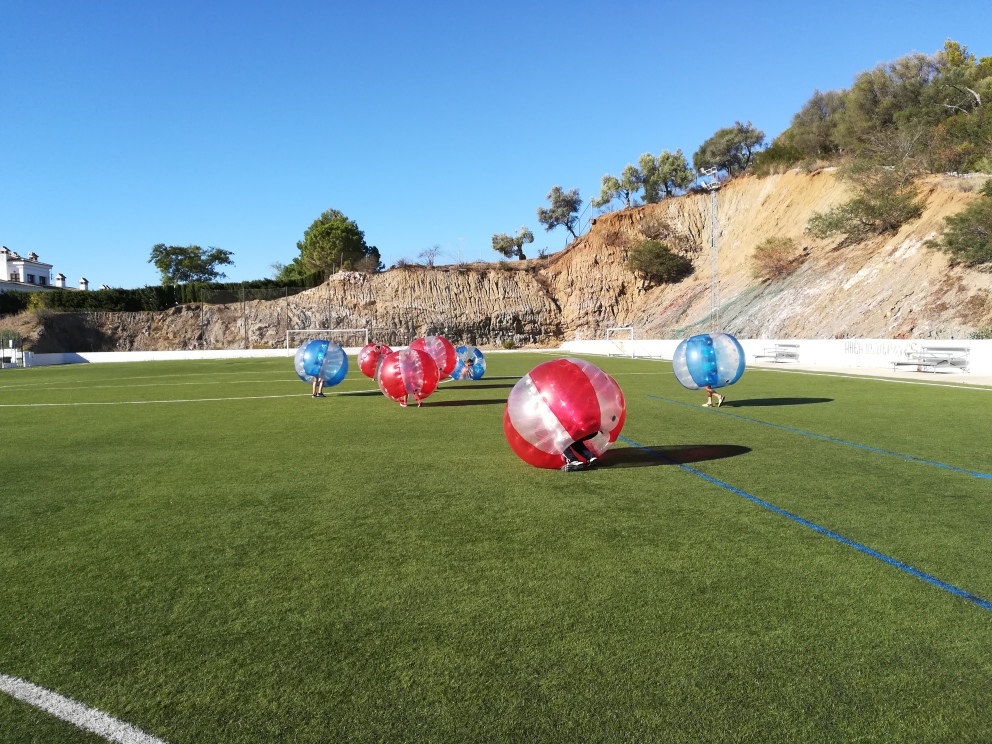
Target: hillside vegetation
(920, 114)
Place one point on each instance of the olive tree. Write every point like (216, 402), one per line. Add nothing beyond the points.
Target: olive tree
(563, 212)
(513, 246)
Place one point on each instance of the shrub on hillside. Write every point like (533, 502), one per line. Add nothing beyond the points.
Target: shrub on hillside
(775, 258)
(656, 262)
(778, 158)
(884, 200)
(659, 228)
(968, 235)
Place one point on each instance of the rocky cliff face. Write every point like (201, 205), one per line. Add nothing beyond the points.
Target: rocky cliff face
(891, 286)
(888, 287)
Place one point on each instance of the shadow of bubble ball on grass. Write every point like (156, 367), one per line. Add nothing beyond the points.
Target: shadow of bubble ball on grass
(446, 387)
(765, 402)
(679, 454)
(469, 402)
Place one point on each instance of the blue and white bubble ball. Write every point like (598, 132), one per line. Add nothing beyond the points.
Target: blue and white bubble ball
(321, 360)
(470, 364)
(713, 359)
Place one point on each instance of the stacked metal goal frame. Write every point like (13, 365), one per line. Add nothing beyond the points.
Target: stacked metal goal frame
(327, 334)
(11, 349)
(618, 343)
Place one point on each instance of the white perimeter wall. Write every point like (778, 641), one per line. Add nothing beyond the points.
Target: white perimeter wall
(867, 352)
(96, 357)
(862, 352)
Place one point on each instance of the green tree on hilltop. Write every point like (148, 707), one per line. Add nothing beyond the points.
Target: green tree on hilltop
(333, 241)
(624, 188)
(665, 175)
(513, 246)
(181, 264)
(929, 113)
(730, 149)
(563, 212)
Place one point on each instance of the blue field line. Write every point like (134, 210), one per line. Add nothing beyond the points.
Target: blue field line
(972, 473)
(985, 604)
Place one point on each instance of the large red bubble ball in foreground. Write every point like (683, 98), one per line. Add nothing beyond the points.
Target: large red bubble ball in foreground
(441, 350)
(407, 372)
(369, 357)
(558, 403)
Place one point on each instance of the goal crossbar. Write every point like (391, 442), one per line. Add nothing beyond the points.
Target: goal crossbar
(325, 332)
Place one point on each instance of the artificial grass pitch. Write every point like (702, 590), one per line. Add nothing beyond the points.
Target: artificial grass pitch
(279, 568)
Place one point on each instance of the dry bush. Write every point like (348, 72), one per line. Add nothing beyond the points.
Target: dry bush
(775, 258)
(658, 264)
(615, 237)
(660, 228)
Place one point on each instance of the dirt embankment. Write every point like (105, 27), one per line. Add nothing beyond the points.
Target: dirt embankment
(892, 286)
(887, 287)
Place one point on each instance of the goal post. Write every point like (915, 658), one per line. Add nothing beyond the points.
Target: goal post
(337, 335)
(616, 338)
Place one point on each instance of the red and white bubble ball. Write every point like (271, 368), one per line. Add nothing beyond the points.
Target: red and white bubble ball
(407, 372)
(441, 350)
(558, 403)
(370, 356)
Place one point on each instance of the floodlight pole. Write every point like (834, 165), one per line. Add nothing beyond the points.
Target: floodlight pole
(712, 187)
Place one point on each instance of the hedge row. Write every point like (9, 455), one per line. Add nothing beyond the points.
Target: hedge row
(197, 291)
(12, 303)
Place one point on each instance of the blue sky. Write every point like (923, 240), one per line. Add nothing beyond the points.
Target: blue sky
(235, 124)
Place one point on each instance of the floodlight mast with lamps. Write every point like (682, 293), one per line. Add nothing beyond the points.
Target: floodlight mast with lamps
(712, 187)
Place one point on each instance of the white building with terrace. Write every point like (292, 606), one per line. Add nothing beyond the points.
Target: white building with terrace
(30, 273)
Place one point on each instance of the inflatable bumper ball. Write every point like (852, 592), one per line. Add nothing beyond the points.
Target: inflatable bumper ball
(370, 356)
(407, 372)
(440, 350)
(561, 402)
(321, 360)
(714, 359)
(470, 364)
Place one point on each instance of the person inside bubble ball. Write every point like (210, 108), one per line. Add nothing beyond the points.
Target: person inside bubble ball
(406, 398)
(318, 388)
(577, 456)
(710, 392)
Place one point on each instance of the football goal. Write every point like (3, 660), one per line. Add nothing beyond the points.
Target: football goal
(618, 338)
(341, 336)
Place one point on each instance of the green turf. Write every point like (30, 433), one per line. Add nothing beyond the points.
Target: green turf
(289, 569)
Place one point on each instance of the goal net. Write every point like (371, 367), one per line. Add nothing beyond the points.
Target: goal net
(346, 337)
(621, 341)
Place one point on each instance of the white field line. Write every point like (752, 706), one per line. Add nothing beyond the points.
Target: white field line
(79, 715)
(152, 384)
(178, 400)
(148, 377)
(803, 372)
